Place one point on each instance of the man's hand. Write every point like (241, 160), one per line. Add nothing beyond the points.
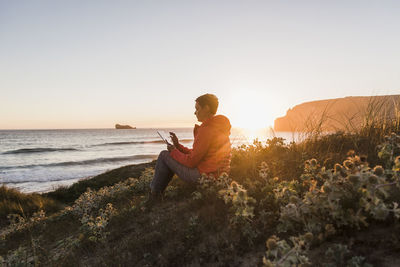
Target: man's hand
(174, 139)
(170, 147)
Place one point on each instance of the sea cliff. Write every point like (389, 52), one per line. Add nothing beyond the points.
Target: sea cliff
(346, 113)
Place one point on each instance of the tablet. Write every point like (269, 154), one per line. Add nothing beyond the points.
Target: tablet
(163, 136)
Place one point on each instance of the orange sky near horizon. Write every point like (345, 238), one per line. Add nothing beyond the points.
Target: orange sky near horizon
(247, 111)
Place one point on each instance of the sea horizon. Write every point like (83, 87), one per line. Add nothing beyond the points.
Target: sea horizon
(113, 128)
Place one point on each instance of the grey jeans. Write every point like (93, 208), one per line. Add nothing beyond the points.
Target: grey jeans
(165, 169)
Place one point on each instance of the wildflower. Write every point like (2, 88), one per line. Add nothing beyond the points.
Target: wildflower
(338, 168)
(320, 237)
(271, 243)
(348, 164)
(380, 212)
(81, 236)
(263, 173)
(330, 229)
(307, 164)
(397, 161)
(223, 176)
(351, 153)
(326, 188)
(308, 237)
(373, 179)
(357, 160)
(264, 165)
(313, 162)
(234, 185)
(378, 170)
(267, 263)
(293, 199)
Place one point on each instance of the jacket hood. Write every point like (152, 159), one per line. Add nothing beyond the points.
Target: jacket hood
(220, 123)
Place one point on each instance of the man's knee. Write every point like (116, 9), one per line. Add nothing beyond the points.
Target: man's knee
(163, 154)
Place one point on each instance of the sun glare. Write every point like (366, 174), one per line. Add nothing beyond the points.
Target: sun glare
(250, 111)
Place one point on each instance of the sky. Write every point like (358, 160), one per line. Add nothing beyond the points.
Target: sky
(92, 64)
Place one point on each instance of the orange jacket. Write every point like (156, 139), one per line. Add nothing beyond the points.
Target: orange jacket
(211, 152)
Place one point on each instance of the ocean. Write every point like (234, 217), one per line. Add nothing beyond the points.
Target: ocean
(42, 160)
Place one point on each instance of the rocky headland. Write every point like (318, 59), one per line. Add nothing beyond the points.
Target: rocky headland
(344, 114)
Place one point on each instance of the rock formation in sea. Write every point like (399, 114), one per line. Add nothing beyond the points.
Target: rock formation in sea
(119, 126)
(348, 113)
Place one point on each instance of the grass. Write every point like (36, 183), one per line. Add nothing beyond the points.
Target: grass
(69, 194)
(13, 201)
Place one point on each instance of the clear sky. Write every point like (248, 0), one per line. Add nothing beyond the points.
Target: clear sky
(91, 64)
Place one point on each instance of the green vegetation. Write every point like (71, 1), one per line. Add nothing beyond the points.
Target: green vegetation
(14, 202)
(70, 194)
(331, 200)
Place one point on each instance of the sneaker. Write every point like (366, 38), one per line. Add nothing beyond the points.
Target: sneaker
(153, 199)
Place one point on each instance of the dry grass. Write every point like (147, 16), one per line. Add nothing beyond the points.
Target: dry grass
(13, 201)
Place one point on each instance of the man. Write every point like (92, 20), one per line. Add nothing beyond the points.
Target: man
(211, 152)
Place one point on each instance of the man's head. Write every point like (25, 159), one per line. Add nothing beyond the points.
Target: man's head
(206, 107)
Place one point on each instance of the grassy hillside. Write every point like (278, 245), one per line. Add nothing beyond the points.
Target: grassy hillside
(331, 200)
(69, 194)
(14, 202)
(346, 113)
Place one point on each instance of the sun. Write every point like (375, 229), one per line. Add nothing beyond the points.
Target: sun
(250, 122)
(249, 110)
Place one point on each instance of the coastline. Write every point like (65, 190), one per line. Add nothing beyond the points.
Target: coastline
(41, 161)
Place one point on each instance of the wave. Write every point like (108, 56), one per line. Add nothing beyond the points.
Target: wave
(83, 162)
(45, 180)
(140, 142)
(38, 150)
(130, 143)
(50, 149)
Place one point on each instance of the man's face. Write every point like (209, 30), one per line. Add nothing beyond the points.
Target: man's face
(202, 113)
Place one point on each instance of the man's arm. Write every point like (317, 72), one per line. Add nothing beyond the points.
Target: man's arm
(183, 149)
(200, 147)
(176, 143)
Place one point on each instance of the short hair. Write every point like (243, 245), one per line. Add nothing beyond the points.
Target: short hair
(210, 100)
